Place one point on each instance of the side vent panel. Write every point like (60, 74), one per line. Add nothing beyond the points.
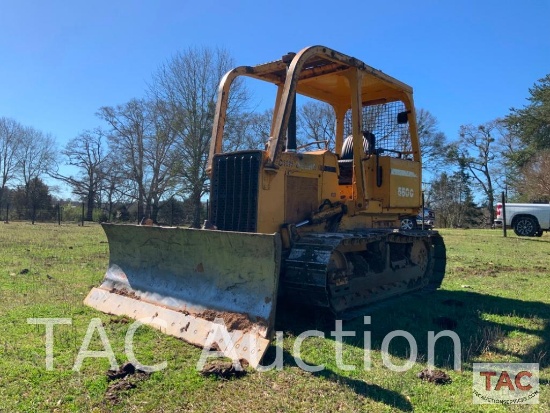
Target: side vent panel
(234, 197)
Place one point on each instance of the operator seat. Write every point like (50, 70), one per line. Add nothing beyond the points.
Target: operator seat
(346, 159)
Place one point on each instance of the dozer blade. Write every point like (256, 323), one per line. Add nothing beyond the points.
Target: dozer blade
(185, 282)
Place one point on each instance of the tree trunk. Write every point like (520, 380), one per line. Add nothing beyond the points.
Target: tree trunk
(491, 200)
(90, 206)
(111, 202)
(140, 214)
(110, 210)
(154, 211)
(197, 208)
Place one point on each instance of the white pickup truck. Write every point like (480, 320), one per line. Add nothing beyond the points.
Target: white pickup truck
(527, 220)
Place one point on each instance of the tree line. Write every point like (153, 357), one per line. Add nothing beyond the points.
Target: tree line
(26, 155)
(148, 152)
(152, 151)
(510, 154)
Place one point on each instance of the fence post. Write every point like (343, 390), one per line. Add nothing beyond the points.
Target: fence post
(58, 214)
(503, 215)
(172, 211)
(83, 214)
(7, 213)
(422, 210)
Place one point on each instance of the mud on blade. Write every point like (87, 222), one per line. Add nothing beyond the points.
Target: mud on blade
(183, 280)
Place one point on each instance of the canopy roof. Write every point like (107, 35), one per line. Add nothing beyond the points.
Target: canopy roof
(323, 76)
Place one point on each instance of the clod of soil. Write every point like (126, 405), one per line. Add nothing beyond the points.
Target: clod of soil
(119, 320)
(233, 321)
(123, 379)
(112, 394)
(125, 293)
(434, 376)
(445, 322)
(127, 368)
(24, 271)
(223, 369)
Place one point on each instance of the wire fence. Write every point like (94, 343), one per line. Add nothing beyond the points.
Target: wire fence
(170, 213)
(55, 214)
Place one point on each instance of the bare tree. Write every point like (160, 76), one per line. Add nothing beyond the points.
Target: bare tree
(432, 141)
(144, 145)
(249, 131)
(162, 154)
(188, 83)
(317, 123)
(87, 152)
(478, 150)
(11, 133)
(37, 155)
(129, 124)
(116, 187)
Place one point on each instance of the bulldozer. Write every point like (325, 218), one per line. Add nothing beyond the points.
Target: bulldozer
(317, 226)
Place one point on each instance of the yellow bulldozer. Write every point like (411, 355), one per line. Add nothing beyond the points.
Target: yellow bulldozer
(317, 227)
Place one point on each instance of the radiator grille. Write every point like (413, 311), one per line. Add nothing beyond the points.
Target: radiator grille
(234, 197)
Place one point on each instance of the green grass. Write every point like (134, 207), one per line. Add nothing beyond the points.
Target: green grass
(496, 291)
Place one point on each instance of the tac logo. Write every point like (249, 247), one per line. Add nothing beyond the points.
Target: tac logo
(506, 383)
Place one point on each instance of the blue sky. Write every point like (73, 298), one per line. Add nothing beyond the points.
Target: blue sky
(468, 61)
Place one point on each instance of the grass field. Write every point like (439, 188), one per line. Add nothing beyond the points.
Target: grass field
(496, 297)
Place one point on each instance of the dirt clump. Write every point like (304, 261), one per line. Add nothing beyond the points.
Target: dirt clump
(125, 378)
(434, 376)
(124, 292)
(233, 321)
(119, 320)
(112, 395)
(224, 369)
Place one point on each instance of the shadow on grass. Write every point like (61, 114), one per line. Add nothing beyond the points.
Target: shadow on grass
(372, 391)
(369, 390)
(466, 313)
